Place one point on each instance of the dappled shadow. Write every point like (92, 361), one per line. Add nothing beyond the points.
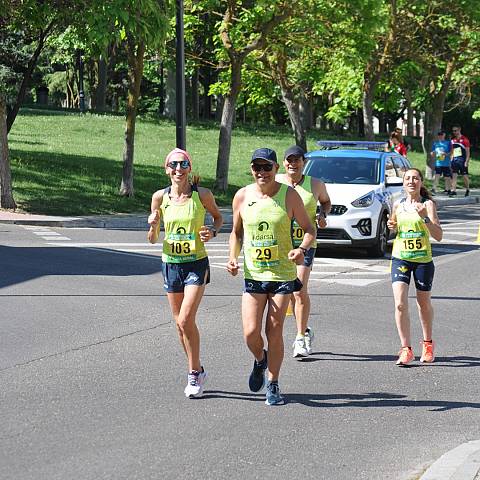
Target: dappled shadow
(348, 400)
(53, 181)
(21, 264)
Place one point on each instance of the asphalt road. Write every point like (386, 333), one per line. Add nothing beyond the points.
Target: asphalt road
(92, 375)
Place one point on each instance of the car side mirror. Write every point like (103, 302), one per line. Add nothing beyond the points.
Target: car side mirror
(393, 181)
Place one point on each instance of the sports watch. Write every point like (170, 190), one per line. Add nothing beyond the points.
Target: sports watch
(426, 219)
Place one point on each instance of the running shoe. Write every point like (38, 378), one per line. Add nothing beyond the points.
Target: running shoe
(309, 336)
(452, 193)
(433, 191)
(467, 192)
(427, 352)
(405, 356)
(299, 348)
(256, 380)
(273, 396)
(196, 381)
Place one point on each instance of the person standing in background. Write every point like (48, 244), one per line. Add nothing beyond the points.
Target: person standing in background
(460, 156)
(441, 150)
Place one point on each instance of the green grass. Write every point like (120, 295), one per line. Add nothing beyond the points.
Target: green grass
(71, 164)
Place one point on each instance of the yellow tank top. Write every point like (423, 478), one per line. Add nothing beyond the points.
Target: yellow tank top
(267, 237)
(412, 242)
(305, 191)
(182, 223)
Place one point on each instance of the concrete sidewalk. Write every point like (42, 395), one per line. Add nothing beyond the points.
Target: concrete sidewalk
(139, 221)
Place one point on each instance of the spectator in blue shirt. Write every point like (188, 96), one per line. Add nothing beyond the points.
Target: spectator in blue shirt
(441, 153)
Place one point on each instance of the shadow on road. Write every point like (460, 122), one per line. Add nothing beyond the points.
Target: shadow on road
(19, 264)
(375, 399)
(456, 361)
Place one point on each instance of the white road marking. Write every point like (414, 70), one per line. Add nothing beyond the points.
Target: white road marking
(355, 282)
(60, 239)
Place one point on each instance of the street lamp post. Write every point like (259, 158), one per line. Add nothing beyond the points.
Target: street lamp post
(81, 91)
(181, 116)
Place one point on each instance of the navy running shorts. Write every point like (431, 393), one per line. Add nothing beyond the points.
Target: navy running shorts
(459, 168)
(401, 271)
(177, 276)
(273, 288)
(445, 171)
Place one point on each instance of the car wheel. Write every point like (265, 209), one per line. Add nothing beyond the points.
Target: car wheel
(380, 247)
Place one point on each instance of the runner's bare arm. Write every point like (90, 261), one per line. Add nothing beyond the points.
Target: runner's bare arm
(433, 226)
(208, 201)
(320, 192)
(392, 218)
(155, 216)
(236, 236)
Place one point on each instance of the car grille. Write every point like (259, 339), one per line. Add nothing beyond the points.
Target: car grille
(332, 234)
(338, 210)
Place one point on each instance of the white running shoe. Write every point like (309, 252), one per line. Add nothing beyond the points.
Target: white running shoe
(309, 339)
(196, 381)
(299, 349)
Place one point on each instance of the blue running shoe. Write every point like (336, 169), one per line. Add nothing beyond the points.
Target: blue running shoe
(273, 394)
(256, 380)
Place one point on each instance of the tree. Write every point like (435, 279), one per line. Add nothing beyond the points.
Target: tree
(35, 22)
(244, 29)
(137, 24)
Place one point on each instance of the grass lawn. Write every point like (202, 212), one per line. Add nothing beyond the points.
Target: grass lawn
(71, 164)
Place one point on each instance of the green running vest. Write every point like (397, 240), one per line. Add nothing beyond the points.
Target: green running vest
(182, 223)
(305, 191)
(412, 242)
(267, 237)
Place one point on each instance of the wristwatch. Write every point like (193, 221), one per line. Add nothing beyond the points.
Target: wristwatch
(304, 250)
(214, 232)
(426, 219)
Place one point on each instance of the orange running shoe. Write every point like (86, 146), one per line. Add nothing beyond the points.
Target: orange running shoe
(405, 356)
(427, 352)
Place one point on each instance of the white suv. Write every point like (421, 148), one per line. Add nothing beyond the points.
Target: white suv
(363, 183)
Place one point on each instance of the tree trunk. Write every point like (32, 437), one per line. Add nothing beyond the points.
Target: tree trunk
(195, 96)
(293, 109)
(408, 100)
(135, 64)
(101, 91)
(6, 194)
(12, 114)
(367, 103)
(226, 126)
(434, 115)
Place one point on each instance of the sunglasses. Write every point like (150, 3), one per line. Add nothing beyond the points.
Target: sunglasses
(184, 164)
(258, 167)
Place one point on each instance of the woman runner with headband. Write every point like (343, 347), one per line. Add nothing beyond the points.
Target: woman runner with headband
(185, 267)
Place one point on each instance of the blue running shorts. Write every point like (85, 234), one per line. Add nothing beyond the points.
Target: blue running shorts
(177, 276)
(401, 271)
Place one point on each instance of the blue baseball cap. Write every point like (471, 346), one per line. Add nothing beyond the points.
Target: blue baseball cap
(264, 154)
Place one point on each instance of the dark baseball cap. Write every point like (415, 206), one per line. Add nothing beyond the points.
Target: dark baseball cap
(294, 150)
(265, 154)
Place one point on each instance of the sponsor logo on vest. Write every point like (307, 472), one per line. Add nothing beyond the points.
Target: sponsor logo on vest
(251, 204)
(263, 226)
(181, 231)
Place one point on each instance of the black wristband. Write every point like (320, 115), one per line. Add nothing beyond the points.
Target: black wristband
(304, 250)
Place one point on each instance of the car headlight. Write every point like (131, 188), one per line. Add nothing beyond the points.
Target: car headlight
(364, 201)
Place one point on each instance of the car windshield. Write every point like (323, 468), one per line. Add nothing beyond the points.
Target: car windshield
(344, 169)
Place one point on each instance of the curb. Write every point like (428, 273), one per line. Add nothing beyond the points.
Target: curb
(139, 221)
(461, 463)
